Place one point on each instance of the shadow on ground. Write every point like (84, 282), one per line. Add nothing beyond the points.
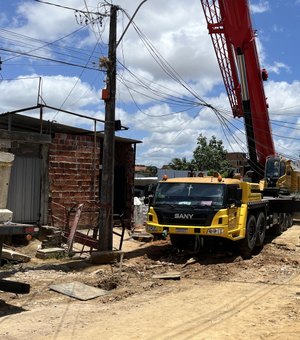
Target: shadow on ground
(8, 309)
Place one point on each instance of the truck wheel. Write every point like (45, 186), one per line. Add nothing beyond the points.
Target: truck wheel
(281, 226)
(248, 243)
(285, 222)
(290, 220)
(260, 230)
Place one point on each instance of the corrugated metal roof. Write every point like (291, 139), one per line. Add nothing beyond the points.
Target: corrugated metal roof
(21, 122)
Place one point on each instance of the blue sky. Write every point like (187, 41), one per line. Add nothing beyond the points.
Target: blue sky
(152, 96)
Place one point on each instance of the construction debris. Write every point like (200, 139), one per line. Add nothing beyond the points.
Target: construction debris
(49, 253)
(12, 255)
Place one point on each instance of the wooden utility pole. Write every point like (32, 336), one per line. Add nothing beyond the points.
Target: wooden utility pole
(105, 224)
(107, 180)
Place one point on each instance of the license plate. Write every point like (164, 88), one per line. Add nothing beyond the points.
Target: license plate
(181, 230)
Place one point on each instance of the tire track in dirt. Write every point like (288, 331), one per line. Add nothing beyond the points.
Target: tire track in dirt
(207, 320)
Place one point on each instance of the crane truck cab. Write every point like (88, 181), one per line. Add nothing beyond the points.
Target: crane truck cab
(194, 208)
(282, 177)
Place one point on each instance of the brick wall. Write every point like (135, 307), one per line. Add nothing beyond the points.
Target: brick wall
(73, 172)
(74, 176)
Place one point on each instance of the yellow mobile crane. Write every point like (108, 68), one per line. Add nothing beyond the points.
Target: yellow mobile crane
(190, 209)
(193, 209)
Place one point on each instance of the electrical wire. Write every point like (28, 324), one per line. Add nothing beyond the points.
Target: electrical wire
(49, 59)
(173, 75)
(157, 93)
(24, 40)
(72, 89)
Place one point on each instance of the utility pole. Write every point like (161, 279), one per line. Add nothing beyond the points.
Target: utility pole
(105, 224)
(107, 180)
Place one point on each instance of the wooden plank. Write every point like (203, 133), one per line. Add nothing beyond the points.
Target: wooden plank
(167, 276)
(74, 226)
(14, 287)
(12, 255)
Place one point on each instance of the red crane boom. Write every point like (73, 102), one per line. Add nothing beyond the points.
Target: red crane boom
(229, 24)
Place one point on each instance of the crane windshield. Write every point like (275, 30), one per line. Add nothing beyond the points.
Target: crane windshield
(275, 167)
(201, 194)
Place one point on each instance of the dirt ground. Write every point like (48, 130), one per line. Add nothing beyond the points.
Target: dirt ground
(218, 296)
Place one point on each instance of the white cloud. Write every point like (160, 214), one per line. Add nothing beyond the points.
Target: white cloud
(260, 7)
(277, 67)
(23, 92)
(283, 95)
(278, 29)
(3, 19)
(184, 44)
(179, 34)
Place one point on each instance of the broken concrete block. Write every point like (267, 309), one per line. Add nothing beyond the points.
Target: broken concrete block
(5, 215)
(49, 253)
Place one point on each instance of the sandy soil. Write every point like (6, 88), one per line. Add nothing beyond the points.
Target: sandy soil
(219, 295)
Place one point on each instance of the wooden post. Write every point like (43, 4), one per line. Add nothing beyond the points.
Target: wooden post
(107, 180)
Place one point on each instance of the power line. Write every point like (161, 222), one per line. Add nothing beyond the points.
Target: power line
(44, 43)
(48, 59)
(72, 8)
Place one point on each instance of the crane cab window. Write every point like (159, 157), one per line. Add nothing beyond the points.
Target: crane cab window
(196, 194)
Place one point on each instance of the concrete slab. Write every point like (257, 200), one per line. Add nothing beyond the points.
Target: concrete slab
(78, 290)
(49, 253)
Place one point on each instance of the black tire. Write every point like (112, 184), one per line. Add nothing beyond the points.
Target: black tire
(247, 244)
(284, 221)
(279, 228)
(290, 220)
(260, 230)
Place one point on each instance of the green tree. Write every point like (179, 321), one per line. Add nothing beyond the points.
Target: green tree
(180, 164)
(151, 170)
(210, 156)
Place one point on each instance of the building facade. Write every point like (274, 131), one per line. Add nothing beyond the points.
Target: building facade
(57, 167)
